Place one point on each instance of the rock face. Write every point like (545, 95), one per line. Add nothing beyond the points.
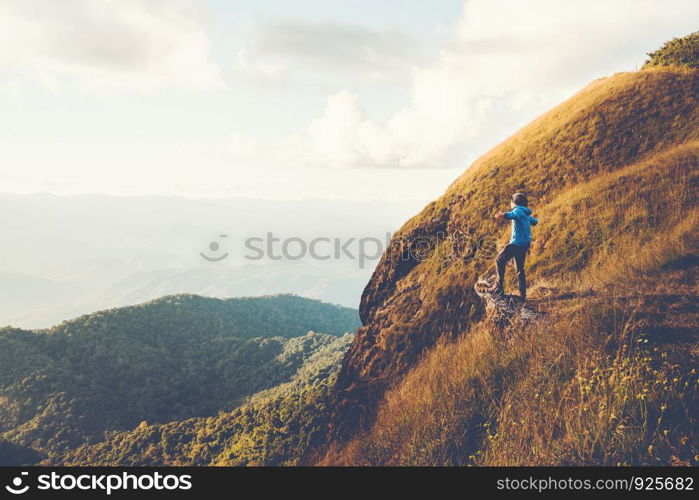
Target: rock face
(506, 312)
(423, 287)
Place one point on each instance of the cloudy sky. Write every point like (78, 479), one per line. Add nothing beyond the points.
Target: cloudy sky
(335, 99)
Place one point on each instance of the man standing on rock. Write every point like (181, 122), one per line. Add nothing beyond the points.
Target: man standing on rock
(522, 220)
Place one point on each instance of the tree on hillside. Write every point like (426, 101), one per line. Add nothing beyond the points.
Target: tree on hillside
(677, 52)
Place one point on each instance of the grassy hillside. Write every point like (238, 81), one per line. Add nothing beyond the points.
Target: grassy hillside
(612, 175)
(607, 377)
(173, 358)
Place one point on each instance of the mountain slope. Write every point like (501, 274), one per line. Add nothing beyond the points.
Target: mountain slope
(612, 174)
(173, 358)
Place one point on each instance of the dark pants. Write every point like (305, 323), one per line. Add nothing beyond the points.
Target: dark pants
(519, 253)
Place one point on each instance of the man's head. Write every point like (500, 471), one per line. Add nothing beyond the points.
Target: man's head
(519, 199)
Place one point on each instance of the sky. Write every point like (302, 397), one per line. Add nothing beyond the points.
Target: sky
(331, 99)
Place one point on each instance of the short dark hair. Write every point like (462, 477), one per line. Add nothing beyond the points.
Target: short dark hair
(520, 199)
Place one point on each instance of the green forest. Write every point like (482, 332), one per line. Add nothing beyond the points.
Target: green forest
(278, 426)
(172, 359)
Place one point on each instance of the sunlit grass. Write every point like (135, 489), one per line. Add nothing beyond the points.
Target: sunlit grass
(584, 389)
(588, 385)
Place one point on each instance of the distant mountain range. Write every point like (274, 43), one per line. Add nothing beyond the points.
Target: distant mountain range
(63, 256)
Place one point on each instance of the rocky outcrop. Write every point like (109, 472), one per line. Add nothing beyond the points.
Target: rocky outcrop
(507, 312)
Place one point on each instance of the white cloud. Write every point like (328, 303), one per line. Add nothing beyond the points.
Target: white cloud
(507, 62)
(143, 44)
(287, 48)
(342, 137)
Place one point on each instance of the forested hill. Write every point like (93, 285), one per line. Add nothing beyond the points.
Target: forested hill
(248, 317)
(278, 426)
(173, 358)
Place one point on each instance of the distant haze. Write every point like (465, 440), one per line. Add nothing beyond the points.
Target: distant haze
(64, 256)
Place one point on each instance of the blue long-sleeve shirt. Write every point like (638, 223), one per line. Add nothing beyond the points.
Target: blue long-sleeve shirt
(521, 225)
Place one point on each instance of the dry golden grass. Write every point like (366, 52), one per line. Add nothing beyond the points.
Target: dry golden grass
(582, 388)
(632, 123)
(435, 414)
(614, 123)
(637, 217)
(609, 376)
